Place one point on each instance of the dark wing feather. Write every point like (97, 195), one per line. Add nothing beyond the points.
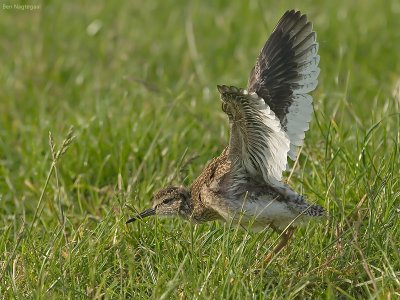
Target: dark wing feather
(285, 72)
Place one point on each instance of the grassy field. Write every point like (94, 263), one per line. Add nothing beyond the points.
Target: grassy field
(137, 81)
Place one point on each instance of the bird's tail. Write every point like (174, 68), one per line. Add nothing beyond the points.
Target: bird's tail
(308, 210)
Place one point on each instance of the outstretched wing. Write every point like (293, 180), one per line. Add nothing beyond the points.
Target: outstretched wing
(257, 145)
(285, 72)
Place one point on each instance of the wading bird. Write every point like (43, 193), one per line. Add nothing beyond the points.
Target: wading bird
(268, 121)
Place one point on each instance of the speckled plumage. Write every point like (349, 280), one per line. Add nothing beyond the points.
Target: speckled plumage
(213, 198)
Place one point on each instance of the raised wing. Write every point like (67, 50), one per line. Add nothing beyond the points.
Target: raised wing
(257, 142)
(285, 72)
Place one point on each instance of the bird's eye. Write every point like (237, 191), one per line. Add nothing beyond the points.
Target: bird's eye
(168, 200)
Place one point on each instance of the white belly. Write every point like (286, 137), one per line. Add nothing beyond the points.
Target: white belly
(259, 214)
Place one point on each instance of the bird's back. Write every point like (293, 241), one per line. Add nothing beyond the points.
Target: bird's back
(215, 170)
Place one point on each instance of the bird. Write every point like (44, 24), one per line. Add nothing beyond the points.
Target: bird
(268, 120)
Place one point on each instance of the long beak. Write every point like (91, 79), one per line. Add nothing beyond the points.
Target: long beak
(146, 213)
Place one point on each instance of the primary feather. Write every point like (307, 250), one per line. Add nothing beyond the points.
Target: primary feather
(285, 72)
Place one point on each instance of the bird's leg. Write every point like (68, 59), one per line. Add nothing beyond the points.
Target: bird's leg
(285, 236)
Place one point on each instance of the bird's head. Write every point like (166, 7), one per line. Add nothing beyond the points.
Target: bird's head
(169, 201)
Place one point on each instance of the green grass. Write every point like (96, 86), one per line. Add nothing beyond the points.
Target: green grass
(137, 81)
